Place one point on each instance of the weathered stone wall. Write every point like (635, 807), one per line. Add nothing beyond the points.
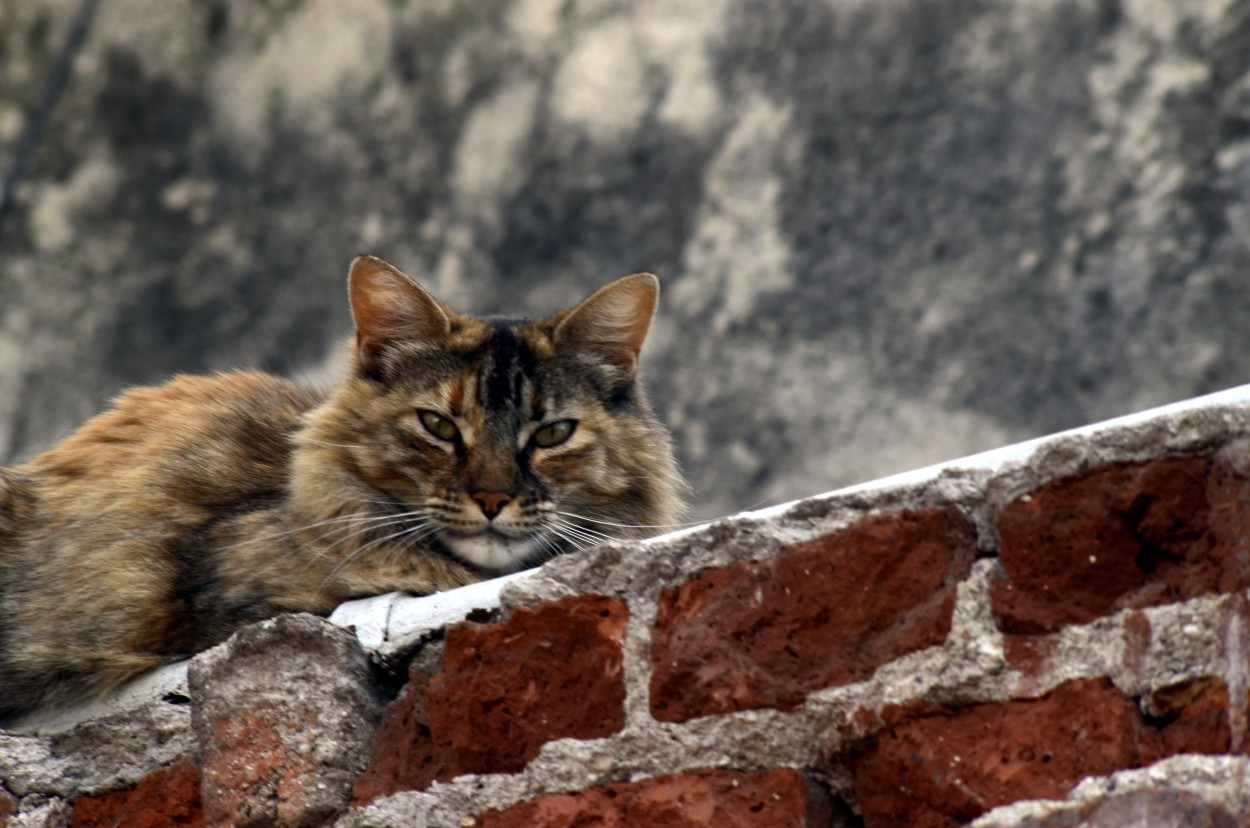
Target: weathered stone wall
(890, 233)
(1055, 634)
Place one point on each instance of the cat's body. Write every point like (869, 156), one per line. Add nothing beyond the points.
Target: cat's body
(456, 450)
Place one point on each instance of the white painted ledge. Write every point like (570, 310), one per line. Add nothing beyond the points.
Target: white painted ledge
(391, 624)
(167, 683)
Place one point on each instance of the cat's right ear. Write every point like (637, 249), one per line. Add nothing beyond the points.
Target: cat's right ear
(388, 306)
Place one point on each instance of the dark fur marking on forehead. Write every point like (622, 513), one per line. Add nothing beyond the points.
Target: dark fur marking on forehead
(511, 362)
(417, 366)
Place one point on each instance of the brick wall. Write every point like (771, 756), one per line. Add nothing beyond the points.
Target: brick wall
(1056, 634)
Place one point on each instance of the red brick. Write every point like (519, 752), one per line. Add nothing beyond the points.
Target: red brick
(1190, 717)
(8, 807)
(164, 798)
(503, 691)
(936, 766)
(406, 755)
(1119, 537)
(819, 614)
(726, 799)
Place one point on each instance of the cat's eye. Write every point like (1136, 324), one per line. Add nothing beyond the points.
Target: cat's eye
(439, 426)
(553, 434)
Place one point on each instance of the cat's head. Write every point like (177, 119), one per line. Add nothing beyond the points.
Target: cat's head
(504, 440)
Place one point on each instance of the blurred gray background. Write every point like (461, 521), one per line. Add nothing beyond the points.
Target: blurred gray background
(889, 232)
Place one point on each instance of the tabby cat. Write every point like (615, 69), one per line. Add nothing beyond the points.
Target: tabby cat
(457, 449)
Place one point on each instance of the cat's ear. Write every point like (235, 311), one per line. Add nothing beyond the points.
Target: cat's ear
(613, 321)
(388, 306)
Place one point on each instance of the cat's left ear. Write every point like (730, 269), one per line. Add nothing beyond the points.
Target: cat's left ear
(613, 321)
(388, 306)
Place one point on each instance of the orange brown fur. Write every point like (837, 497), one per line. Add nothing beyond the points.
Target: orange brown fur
(190, 509)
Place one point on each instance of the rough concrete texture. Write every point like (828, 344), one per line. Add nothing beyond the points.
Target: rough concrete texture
(97, 755)
(285, 714)
(701, 798)
(889, 233)
(42, 814)
(1175, 793)
(1156, 809)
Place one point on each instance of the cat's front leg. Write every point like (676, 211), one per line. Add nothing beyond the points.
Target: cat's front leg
(402, 570)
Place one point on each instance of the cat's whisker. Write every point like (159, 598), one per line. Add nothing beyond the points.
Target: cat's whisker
(365, 548)
(367, 520)
(759, 503)
(337, 569)
(273, 536)
(756, 505)
(636, 525)
(586, 531)
(581, 537)
(419, 533)
(571, 529)
(580, 544)
(376, 542)
(408, 544)
(364, 524)
(550, 548)
(576, 536)
(372, 524)
(586, 534)
(565, 541)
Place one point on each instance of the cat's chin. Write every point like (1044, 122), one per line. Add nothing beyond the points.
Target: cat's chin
(491, 550)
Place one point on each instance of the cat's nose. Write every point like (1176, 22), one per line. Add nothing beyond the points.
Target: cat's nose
(492, 503)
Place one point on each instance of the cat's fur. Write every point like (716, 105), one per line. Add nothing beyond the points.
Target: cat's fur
(190, 509)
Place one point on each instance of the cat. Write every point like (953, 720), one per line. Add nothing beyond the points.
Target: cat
(455, 450)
